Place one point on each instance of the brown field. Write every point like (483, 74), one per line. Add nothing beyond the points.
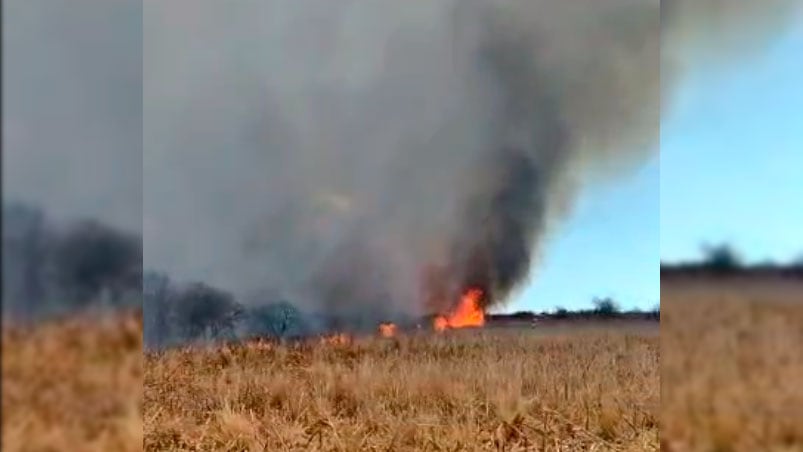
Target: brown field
(732, 364)
(729, 380)
(73, 385)
(492, 389)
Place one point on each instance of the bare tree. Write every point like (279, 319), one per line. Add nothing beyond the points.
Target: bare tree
(606, 307)
(721, 257)
(279, 320)
(24, 255)
(93, 260)
(202, 311)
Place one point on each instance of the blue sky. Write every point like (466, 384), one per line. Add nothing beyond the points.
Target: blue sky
(730, 169)
(609, 247)
(732, 159)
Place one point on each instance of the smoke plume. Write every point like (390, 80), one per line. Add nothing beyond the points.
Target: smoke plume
(72, 109)
(72, 156)
(715, 34)
(380, 157)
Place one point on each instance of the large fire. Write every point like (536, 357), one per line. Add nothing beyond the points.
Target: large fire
(468, 313)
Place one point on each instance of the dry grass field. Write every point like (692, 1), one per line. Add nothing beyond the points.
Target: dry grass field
(73, 385)
(490, 389)
(732, 364)
(730, 368)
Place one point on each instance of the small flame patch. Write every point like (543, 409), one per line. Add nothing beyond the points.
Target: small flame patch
(387, 329)
(336, 339)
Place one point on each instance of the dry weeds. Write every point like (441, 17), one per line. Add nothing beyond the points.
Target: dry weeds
(73, 385)
(506, 390)
(732, 365)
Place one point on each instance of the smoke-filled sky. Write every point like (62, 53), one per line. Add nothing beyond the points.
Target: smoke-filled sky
(361, 150)
(731, 159)
(72, 108)
(385, 156)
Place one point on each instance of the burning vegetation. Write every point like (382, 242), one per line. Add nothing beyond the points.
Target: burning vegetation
(387, 329)
(467, 313)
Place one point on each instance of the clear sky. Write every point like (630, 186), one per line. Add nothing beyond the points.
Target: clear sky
(732, 159)
(730, 169)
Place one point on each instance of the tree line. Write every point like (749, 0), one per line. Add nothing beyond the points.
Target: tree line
(51, 269)
(724, 259)
(178, 313)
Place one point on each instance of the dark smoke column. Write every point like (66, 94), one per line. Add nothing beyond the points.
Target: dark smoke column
(578, 87)
(572, 96)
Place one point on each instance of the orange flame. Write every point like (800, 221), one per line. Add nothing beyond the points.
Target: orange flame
(387, 329)
(440, 323)
(468, 313)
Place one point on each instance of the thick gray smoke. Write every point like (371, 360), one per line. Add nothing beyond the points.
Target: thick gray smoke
(72, 108)
(380, 156)
(724, 29)
(72, 156)
(714, 34)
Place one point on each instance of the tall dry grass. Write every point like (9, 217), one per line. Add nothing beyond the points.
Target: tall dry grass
(73, 385)
(732, 365)
(470, 390)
